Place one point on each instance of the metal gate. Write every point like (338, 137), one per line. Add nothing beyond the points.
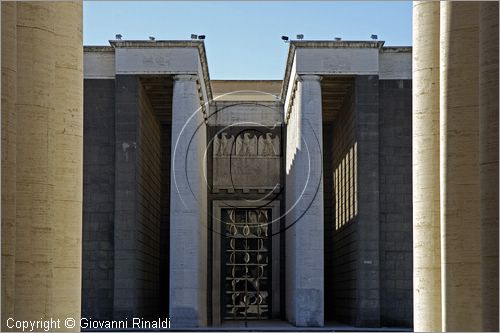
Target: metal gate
(246, 253)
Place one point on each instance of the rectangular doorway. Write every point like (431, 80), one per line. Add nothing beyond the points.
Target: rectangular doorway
(245, 261)
(246, 254)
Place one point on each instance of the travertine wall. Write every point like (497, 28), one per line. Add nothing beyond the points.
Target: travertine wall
(48, 160)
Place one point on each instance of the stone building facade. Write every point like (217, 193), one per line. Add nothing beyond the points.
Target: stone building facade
(133, 185)
(213, 201)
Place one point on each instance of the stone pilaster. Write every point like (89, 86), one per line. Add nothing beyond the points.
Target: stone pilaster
(188, 214)
(459, 166)
(425, 122)
(304, 206)
(9, 91)
(488, 159)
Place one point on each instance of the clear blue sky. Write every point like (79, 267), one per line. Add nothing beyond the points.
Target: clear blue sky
(244, 38)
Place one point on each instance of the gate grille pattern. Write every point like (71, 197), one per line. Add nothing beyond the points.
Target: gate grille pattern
(246, 252)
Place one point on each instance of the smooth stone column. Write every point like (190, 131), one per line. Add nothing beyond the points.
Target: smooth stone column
(304, 206)
(188, 228)
(488, 159)
(459, 132)
(49, 114)
(66, 149)
(9, 91)
(35, 103)
(425, 120)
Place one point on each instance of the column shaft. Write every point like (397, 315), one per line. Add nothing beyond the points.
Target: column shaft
(188, 227)
(304, 206)
(488, 159)
(425, 122)
(35, 103)
(459, 168)
(9, 91)
(66, 160)
(48, 158)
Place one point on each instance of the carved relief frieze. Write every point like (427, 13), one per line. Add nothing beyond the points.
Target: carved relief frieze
(247, 144)
(248, 160)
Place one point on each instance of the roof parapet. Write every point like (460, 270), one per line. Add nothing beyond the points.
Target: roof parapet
(159, 44)
(376, 44)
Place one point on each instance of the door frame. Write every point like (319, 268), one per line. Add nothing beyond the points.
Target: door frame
(218, 205)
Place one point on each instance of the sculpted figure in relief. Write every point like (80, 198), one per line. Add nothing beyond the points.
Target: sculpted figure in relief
(222, 146)
(269, 146)
(246, 145)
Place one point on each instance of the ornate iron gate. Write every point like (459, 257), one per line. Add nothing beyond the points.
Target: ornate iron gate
(246, 253)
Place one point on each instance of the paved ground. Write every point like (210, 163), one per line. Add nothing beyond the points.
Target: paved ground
(275, 326)
(283, 326)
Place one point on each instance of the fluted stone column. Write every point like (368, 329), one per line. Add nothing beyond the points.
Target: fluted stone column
(488, 159)
(425, 120)
(66, 148)
(9, 91)
(304, 206)
(459, 132)
(188, 228)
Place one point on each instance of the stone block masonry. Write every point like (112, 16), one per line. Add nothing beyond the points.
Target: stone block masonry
(99, 199)
(396, 242)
